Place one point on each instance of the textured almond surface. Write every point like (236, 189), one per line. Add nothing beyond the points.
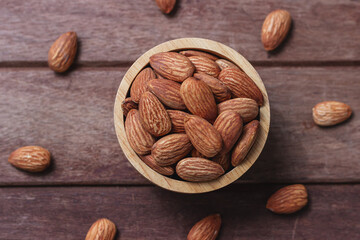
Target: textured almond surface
(190, 53)
(102, 229)
(30, 158)
(330, 113)
(150, 161)
(196, 153)
(288, 199)
(198, 169)
(198, 98)
(219, 89)
(246, 141)
(203, 136)
(177, 120)
(172, 66)
(168, 93)
(223, 160)
(139, 85)
(127, 105)
(206, 229)
(166, 6)
(275, 28)
(229, 124)
(63, 51)
(153, 115)
(246, 107)
(222, 63)
(240, 84)
(171, 148)
(139, 139)
(205, 65)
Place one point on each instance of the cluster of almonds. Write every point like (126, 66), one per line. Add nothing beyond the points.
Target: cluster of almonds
(192, 110)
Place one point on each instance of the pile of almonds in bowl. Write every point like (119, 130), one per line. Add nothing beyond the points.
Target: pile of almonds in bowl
(192, 114)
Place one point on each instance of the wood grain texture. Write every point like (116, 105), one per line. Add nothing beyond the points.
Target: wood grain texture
(72, 117)
(152, 213)
(110, 31)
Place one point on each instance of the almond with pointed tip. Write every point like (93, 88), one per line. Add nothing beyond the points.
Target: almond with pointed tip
(139, 85)
(63, 51)
(171, 65)
(190, 53)
(275, 28)
(241, 85)
(246, 107)
(150, 161)
(166, 6)
(206, 229)
(288, 199)
(198, 169)
(177, 120)
(222, 63)
(205, 65)
(102, 229)
(330, 113)
(127, 105)
(220, 91)
(30, 158)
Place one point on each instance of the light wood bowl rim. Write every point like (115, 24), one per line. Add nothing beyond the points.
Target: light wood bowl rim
(168, 183)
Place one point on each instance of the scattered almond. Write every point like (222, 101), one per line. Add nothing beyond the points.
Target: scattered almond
(206, 229)
(198, 169)
(330, 113)
(166, 6)
(102, 229)
(63, 51)
(30, 158)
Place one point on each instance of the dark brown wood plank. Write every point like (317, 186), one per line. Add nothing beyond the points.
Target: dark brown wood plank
(152, 213)
(72, 116)
(120, 31)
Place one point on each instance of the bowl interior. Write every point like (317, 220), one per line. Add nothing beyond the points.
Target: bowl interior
(219, 50)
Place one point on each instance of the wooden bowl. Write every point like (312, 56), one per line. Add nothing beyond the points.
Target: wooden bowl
(178, 185)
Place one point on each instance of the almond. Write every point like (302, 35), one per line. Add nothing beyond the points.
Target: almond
(241, 85)
(63, 51)
(139, 139)
(196, 153)
(198, 169)
(220, 91)
(275, 28)
(30, 158)
(102, 229)
(203, 136)
(205, 65)
(139, 85)
(206, 229)
(168, 92)
(190, 53)
(246, 107)
(223, 160)
(288, 199)
(172, 66)
(245, 142)
(171, 148)
(150, 161)
(177, 120)
(330, 113)
(229, 124)
(198, 98)
(127, 105)
(222, 63)
(153, 115)
(166, 6)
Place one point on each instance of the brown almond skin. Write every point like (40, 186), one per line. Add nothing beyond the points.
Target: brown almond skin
(246, 107)
(153, 115)
(223, 160)
(172, 66)
(127, 105)
(275, 28)
(220, 90)
(171, 148)
(205, 65)
(203, 136)
(62, 53)
(206, 229)
(330, 113)
(166, 6)
(241, 85)
(190, 53)
(30, 158)
(150, 161)
(102, 229)
(177, 120)
(168, 92)
(229, 124)
(199, 99)
(196, 153)
(288, 199)
(222, 63)
(139, 85)
(246, 141)
(198, 169)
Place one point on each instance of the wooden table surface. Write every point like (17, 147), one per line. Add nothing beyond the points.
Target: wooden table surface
(72, 115)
